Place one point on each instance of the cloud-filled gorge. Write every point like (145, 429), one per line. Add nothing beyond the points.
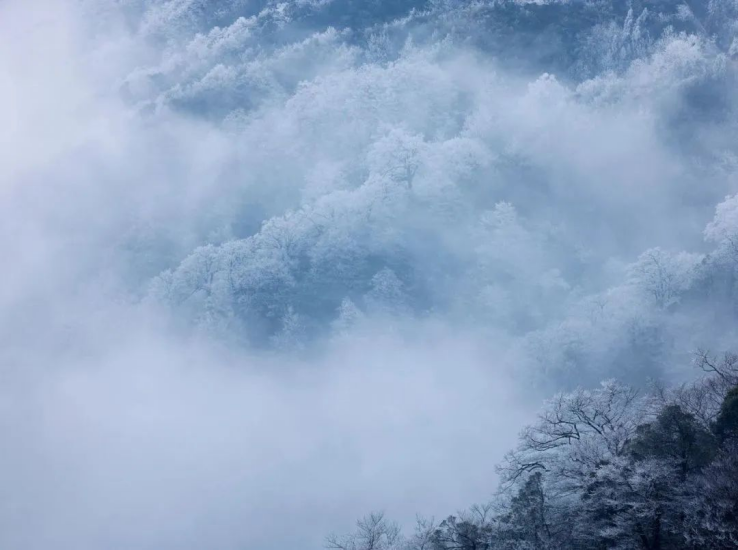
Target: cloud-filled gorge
(271, 265)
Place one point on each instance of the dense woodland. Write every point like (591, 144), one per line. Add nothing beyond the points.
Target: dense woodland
(399, 185)
(608, 468)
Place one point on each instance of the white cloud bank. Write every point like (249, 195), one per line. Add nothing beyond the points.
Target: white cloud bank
(263, 274)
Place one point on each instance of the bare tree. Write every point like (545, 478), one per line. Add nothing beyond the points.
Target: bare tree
(578, 430)
(725, 367)
(373, 532)
(423, 537)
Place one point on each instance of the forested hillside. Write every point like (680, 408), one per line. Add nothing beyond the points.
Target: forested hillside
(611, 467)
(537, 170)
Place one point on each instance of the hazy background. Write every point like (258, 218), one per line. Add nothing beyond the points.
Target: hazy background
(270, 265)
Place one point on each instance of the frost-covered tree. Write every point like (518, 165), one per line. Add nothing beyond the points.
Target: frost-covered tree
(723, 229)
(470, 530)
(526, 522)
(374, 532)
(577, 432)
(664, 276)
(615, 469)
(712, 514)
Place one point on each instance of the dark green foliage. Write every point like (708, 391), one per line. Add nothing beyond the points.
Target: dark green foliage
(675, 436)
(726, 425)
(526, 522)
(460, 534)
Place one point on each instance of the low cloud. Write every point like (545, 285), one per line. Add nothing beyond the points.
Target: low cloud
(272, 265)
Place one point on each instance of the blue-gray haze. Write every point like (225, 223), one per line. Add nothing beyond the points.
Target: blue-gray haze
(268, 265)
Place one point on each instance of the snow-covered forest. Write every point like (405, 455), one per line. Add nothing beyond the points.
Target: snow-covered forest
(271, 265)
(610, 467)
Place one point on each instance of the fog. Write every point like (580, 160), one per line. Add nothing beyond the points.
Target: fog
(269, 266)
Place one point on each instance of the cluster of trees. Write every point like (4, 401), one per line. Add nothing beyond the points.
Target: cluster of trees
(360, 182)
(220, 56)
(609, 468)
(385, 170)
(637, 328)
